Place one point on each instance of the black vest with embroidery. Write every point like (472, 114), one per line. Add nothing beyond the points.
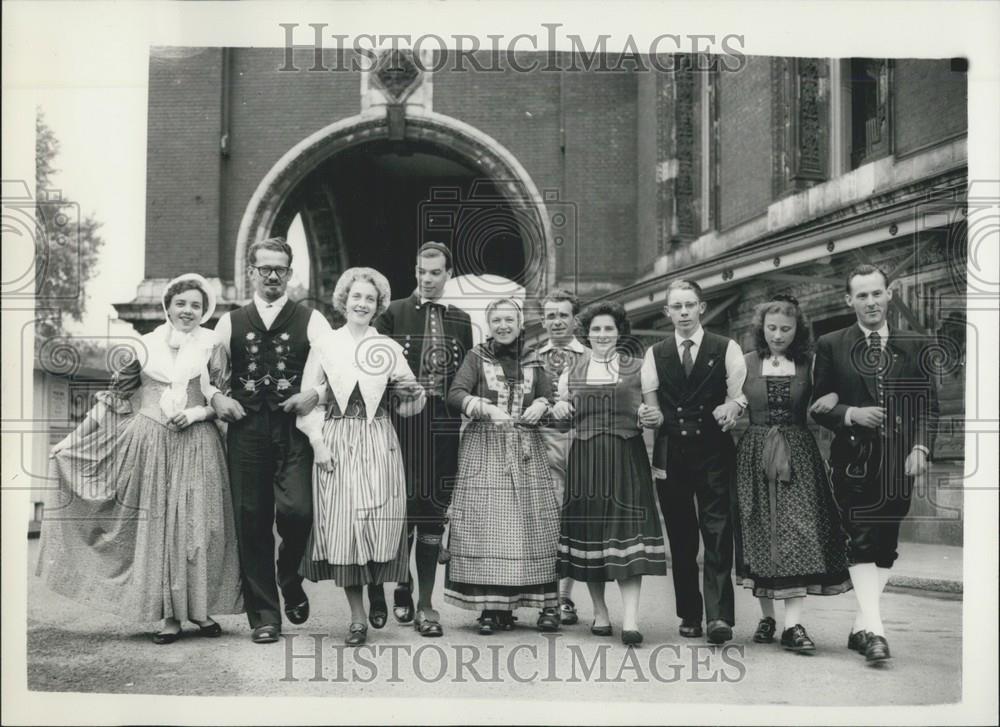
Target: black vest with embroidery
(687, 402)
(268, 363)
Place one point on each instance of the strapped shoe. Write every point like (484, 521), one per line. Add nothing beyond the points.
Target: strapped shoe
(487, 623)
(858, 641)
(427, 622)
(548, 620)
(796, 639)
(567, 611)
(765, 631)
(357, 634)
(298, 614)
(402, 604)
(877, 648)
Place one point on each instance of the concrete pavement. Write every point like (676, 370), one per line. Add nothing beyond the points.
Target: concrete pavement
(71, 649)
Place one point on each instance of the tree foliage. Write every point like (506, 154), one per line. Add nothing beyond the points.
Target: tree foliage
(66, 245)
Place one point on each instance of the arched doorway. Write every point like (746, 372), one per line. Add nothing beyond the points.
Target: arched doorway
(364, 199)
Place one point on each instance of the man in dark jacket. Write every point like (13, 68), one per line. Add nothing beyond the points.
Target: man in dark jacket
(435, 338)
(883, 423)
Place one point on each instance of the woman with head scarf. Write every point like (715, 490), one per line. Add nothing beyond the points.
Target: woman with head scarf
(791, 543)
(143, 522)
(504, 517)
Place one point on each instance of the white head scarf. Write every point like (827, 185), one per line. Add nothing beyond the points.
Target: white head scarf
(193, 350)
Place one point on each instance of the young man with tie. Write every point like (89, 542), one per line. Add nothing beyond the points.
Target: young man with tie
(698, 377)
(883, 424)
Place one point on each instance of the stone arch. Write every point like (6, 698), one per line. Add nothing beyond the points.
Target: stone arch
(452, 137)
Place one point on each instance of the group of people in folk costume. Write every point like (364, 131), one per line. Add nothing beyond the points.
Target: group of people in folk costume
(361, 444)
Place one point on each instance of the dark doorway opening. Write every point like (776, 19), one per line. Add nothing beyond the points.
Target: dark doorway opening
(374, 204)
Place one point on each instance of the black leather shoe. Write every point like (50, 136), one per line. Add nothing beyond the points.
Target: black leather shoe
(719, 632)
(212, 631)
(858, 641)
(548, 620)
(505, 620)
(487, 623)
(877, 649)
(765, 631)
(567, 612)
(602, 630)
(378, 613)
(166, 637)
(631, 638)
(402, 604)
(298, 614)
(357, 634)
(690, 629)
(796, 639)
(266, 634)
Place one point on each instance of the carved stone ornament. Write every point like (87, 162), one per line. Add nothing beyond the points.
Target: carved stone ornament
(397, 74)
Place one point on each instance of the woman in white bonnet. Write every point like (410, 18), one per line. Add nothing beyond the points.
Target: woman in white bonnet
(142, 524)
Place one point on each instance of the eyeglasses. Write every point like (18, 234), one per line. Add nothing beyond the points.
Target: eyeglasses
(265, 271)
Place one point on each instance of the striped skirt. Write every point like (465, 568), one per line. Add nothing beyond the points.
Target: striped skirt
(359, 507)
(611, 522)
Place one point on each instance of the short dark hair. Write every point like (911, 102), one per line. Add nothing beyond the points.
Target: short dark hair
(864, 269)
(436, 248)
(800, 348)
(685, 284)
(605, 308)
(561, 294)
(277, 244)
(182, 286)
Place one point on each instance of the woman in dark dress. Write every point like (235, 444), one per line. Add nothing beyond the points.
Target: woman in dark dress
(611, 521)
(504, 518)
(791, 543)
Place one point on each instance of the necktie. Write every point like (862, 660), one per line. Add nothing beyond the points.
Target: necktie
(686, 359)
(875, 351)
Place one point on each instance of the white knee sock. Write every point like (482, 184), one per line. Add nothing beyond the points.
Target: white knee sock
(766, 607)
(868, 591)
(793, 611)
(883, 577)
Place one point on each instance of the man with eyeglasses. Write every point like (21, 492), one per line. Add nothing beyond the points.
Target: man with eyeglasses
(270, 461)
(698, 378)
(883, 427)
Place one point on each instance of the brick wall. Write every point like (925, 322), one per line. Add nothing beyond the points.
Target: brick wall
(182, 162)
(745, 142)
(930, 102)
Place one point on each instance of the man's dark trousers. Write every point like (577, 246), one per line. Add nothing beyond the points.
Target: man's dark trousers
(270, 470)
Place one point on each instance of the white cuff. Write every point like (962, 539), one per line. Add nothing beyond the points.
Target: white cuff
(848, 419)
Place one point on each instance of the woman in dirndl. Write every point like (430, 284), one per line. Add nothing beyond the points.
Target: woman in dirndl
(358, 536)
(504, 519)
(142, 522)
(791, 541)
(611, 520)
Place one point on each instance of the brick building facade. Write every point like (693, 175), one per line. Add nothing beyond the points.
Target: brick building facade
(780, 174)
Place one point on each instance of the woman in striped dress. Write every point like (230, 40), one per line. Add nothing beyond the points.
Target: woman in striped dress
(504, 517)
(359, 488)
(611, 519)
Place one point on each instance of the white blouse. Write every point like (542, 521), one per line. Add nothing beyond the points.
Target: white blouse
(371, 363)
(777, 366)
